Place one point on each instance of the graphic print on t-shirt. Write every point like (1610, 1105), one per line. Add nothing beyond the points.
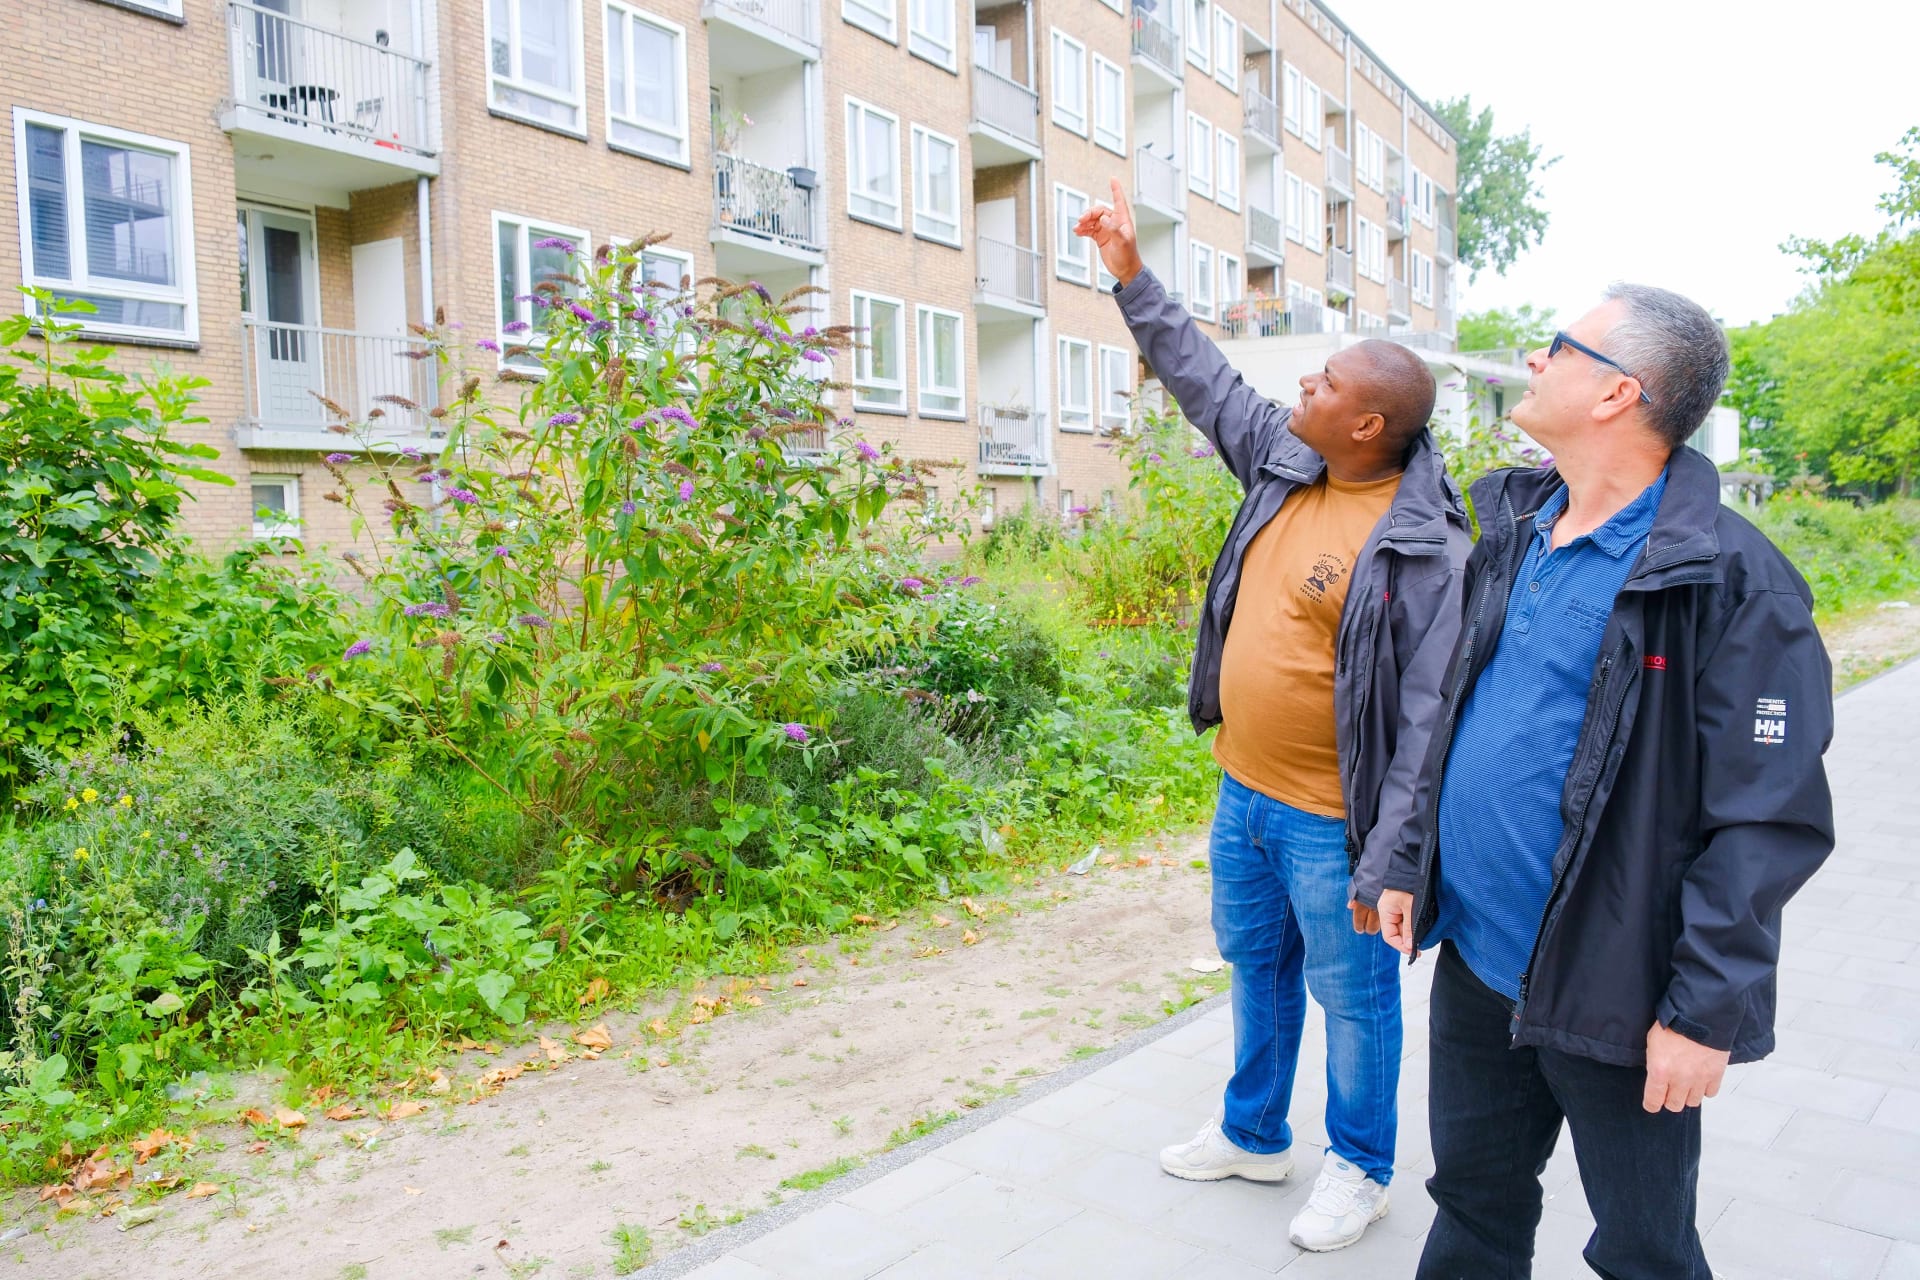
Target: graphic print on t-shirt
(1328, 569)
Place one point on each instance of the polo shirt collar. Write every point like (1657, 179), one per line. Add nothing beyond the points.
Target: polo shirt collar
(1619, 535)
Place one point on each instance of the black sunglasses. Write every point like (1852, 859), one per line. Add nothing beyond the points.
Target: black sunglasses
(1561, 339)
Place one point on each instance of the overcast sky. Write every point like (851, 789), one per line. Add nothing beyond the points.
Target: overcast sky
(1695, 135)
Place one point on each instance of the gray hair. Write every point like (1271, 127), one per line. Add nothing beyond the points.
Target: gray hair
(1676, 350)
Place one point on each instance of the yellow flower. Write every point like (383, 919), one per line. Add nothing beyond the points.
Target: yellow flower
(146, 835)
(72, 804)
(79, 855)
(89, 795)
(126, 802)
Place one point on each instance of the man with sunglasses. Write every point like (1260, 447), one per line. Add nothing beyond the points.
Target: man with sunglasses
(1627, 788)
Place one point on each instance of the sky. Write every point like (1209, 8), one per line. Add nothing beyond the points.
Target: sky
(1695, 135)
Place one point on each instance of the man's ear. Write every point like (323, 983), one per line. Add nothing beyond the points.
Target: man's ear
(1623, 398)
(1368, 429)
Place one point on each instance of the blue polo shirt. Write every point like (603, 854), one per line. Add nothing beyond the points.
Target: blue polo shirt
(1500, 821)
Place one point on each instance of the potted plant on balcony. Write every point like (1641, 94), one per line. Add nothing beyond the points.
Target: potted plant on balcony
(726, 129)
(802, 177)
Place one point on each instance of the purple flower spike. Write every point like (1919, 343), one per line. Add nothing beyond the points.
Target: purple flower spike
(1493, 381)
(817, 357)
(496, 637)
(554, 242)
(464, 497)
(686, 491)
(563, 420)
(1076, 511)
(761, 289)
(809, 332)
(337, 459)
(408, 451)
(1154, 457)
(359, 648)
(713, 668)
(531, 620)
(764, 329)
(867, 451)
(515, 326)
(427, 609)
(1203, 451)
(912, 586)
(488, 344)
(797, 732)
(674, 413)
(501, 553)
(628, 507)
(970, 580)
(583, 313)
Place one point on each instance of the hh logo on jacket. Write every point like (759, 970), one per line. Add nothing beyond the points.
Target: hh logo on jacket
(1770, 721)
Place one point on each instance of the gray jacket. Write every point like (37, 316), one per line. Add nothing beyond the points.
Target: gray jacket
(1402, 612)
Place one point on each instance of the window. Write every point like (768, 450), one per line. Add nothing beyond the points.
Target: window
(873, 164)
(1369, 157)
(1313, 210)
(1368, 322)
(171, 8)
(1229, 284)
(107, 217)
(646, 84)
(1421, 282)
(1067, 509)
(1420, 194)
(1296, 209)
(1116, 388)
(1312, 111)
(1200, 24)
(1226, 49)
(1069, 83)
(1227, 180)
(943, 363)
(1363, 248)
(1072, 254)
(930, 31)
(1200, 302)
(876, 16)
(276, 506)
(528, 254)
(536, 61)
(1076, 385)
(1109, 105)
(1290, 97)
(1199, 155)
(879, 357)
(936, 186)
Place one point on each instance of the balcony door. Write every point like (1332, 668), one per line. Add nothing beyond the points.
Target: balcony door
(280, 302)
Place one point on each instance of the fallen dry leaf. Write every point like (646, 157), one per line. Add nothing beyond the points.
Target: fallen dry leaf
(288, 1119)
(323, 1095)
(595, 1037)
(928, 952)
(145, 1147)
(969, 937)
(756, 1001)
(167, 1183)
(1143, 861)
(596, 991)
(973, 908)
(1168, 862)
(201, 1190)
(555, 1051)
(401, 1110)
(413, 1191)
(799, 982)
(95, 1173)
(256, 1148)
(346, 1111)
(941, 922)
(659, 1027)
(254, 1115)
(439, 1082)
(864, 920)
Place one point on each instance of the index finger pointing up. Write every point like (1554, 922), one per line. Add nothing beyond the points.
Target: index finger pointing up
(1120, 205)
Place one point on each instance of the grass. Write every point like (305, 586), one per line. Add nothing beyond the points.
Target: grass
(813, 1179)
(632, 1247)
(920, 1127)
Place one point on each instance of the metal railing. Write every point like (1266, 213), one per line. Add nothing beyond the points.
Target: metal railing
(288, 368)
(1397, 300)
(337, 85)
(1012, 437)
(796, 19)
(1157, 41)
(1008, 106)
(1339, 169)
(1423, 339)
(1264, 233)
(1274, 317)
(1340, 270)
(1156, 178)
(1396, 212)
(1008, 271)
(1443, 318)
(1262, 114)
(1443, 234)
(764, 202)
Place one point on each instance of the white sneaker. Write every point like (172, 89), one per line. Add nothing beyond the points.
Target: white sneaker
(1344, 1203)
(1210, 1156)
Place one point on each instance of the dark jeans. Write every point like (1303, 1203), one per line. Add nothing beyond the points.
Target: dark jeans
(1494, 1112)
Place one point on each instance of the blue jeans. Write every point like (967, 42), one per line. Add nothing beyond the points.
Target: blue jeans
(1281, 919)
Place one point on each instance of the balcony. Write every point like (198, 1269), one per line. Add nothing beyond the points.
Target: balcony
(1340, 271)
(1007, 279)
(763, 217)
(1399, 305)
(751, 36)
(1443, 241)
(1443, 319)
(1013, 442)
(1262, 122)
(1156, 48)
(1159, 192)
(322, 107)
(1339, 172)
(1006, 120)
(1423, 340)
(1396, 214)
(1266, 242)
(386, 385)
(1276, 318)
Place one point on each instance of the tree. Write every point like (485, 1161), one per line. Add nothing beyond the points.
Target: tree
(1499, 328)
(1498, 196)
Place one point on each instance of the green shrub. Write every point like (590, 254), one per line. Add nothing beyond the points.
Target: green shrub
(1849, 555)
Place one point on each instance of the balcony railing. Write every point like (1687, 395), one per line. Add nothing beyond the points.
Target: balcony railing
(1275, 317)
(1008, 271)
(798, 20)
(1263, 232)
(1340, 170)
(1155, 40)
(1423, 339)
(1012, 438)
(1340, 270)
(385, 384)
(1156, 179)
(763, 202)
(1262, 113)
(1396, 212)
(1443, 318)
(1443, 234)
(336, 85)
(1398, 300)
(1008, 106)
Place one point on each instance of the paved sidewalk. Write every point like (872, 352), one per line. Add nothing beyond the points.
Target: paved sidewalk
(1812, 1166)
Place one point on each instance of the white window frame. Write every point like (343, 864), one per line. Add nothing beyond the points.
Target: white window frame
(1420, 286)
(1115, 360)
(1199, 16)
(1370, 157)
(878, 17)
(1202, 261)
(184, 293)
(1229, 282)
(925, 45)
(1062, 110)
(1226, 49)
(926, 224)
(686, 340)
(1066, 505)
(857, 164)
(1199, 155)
(677, 128)
(923, 317)
(527, 230)
(1313, 208)
(864, 379)
(1420, 188)
(1296, 208)
(1226, 176)
(289, 525)
(1072, 255)
(495, 80)
(1113, 139)
(1366, 321)
(1313, 112)
(1075, 415)
(167, 8)
(1290, 98)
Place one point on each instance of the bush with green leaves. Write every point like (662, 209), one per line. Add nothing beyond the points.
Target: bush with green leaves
(1850, 555)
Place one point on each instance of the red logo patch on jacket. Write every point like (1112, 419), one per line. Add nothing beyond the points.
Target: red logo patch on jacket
(1654, 662)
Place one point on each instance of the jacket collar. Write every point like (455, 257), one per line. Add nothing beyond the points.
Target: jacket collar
(1426, 503)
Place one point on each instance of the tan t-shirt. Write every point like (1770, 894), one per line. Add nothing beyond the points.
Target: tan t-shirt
(1276, 675)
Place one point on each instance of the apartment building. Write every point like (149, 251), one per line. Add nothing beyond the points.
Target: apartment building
(268, 193)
